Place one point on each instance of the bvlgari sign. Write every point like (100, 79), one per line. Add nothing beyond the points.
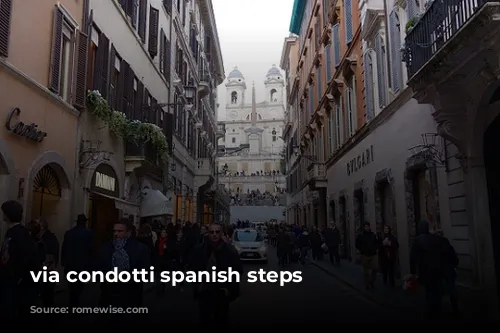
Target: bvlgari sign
(360, 161)
(105, 181)
(30, 132)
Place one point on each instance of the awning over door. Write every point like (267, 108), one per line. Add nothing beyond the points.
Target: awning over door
(155, 203)
(127, 207)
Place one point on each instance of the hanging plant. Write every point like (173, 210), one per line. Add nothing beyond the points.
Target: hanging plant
(133, 131)
(412, 23)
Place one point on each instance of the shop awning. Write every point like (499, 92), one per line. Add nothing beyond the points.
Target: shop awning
(155, 203)
(127, 207)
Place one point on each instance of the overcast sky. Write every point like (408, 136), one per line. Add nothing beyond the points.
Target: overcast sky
(251, 34)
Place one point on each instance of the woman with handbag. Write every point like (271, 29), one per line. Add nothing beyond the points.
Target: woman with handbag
(388, 255)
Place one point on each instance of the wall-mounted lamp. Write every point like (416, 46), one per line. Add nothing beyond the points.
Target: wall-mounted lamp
(173, 167)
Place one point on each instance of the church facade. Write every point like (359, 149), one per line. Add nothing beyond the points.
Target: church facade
(258, 127)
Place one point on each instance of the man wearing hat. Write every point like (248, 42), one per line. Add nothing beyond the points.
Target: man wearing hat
(78, 255)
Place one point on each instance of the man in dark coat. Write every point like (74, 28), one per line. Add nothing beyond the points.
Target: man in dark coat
(434, 259)
(125, 253)
(77, 255)
(17, 257)
(332, 240)
(214, 298)
(367, 244)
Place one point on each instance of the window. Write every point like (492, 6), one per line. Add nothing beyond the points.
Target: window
(5, 16)
(395, 44)
(114, 79)
(339, 130)
(336, 44)
(332, 145)
(350, 105)
(348, 21)
(272, 95)
(318, 80)
(248, 236)
(63, 52)
(328, 63)
(381, 56)
(234, 97)
(154, 16)
(233, 140)
(369, 85)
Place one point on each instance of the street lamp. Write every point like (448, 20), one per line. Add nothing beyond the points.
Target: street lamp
(189, 94)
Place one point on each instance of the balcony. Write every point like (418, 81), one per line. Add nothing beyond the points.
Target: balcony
(221, 129)
(135, 156)
(317, 176)
(204, 87)
(447, 36)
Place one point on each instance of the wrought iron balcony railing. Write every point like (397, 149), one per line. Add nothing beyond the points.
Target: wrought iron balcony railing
(439, 24)
(146, 151)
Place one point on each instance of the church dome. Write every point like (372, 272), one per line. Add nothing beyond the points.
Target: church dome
(235, 74)
(273, 71)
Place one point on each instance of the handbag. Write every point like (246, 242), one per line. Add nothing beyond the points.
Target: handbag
(324, 247)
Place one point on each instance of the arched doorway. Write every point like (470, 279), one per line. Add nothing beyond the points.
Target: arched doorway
(492, 165)
(46, 193)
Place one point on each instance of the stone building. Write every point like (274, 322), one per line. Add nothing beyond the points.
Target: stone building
(327, 97)
(458, 74)
(258, 125)
(41, 101)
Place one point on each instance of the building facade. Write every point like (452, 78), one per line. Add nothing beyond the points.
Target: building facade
(170, 63)
(41, 101)
(457, 73)
(258, 168)
(327, 97)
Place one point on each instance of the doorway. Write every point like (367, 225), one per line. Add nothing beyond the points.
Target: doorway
(345, 246)
(102, 216)
(492, 166)
(359, 209)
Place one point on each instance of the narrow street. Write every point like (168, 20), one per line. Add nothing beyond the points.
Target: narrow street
(319, 297)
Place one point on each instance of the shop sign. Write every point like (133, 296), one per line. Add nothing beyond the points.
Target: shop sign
(30, 132)
(104, 181)
(359, 162)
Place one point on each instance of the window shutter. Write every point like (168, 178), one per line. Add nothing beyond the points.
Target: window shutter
(411, 8)
(168, 6)
(141, 30)
(153, 119)
(328, 63)
(103, 50)
(311, 99)
(55, 66)
(162, 51)
(368, 67)
(348, 21)
(113, 99)
(154, 15)
(353, 105)
(168, 56)
(133, 8)
(146, 106)
(336, 44)
(325, 11)
(81, 70)
(5, 15)
(320, 88)
(381, 72)
(347, 106)
(130, 93)
(139, 100)
(124, 86)
(339, 122)
(395, 43)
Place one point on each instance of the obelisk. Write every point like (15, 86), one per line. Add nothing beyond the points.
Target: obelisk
(254, 133)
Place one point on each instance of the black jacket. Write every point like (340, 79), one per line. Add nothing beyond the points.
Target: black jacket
(226, 257)
(367, 243)
(77, 252)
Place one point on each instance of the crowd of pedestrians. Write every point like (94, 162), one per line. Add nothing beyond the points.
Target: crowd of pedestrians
(180, 246)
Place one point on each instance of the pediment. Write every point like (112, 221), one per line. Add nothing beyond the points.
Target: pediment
(372, 22)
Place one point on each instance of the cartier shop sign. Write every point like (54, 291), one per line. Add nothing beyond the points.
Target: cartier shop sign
(30, 132)
(359, 162)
